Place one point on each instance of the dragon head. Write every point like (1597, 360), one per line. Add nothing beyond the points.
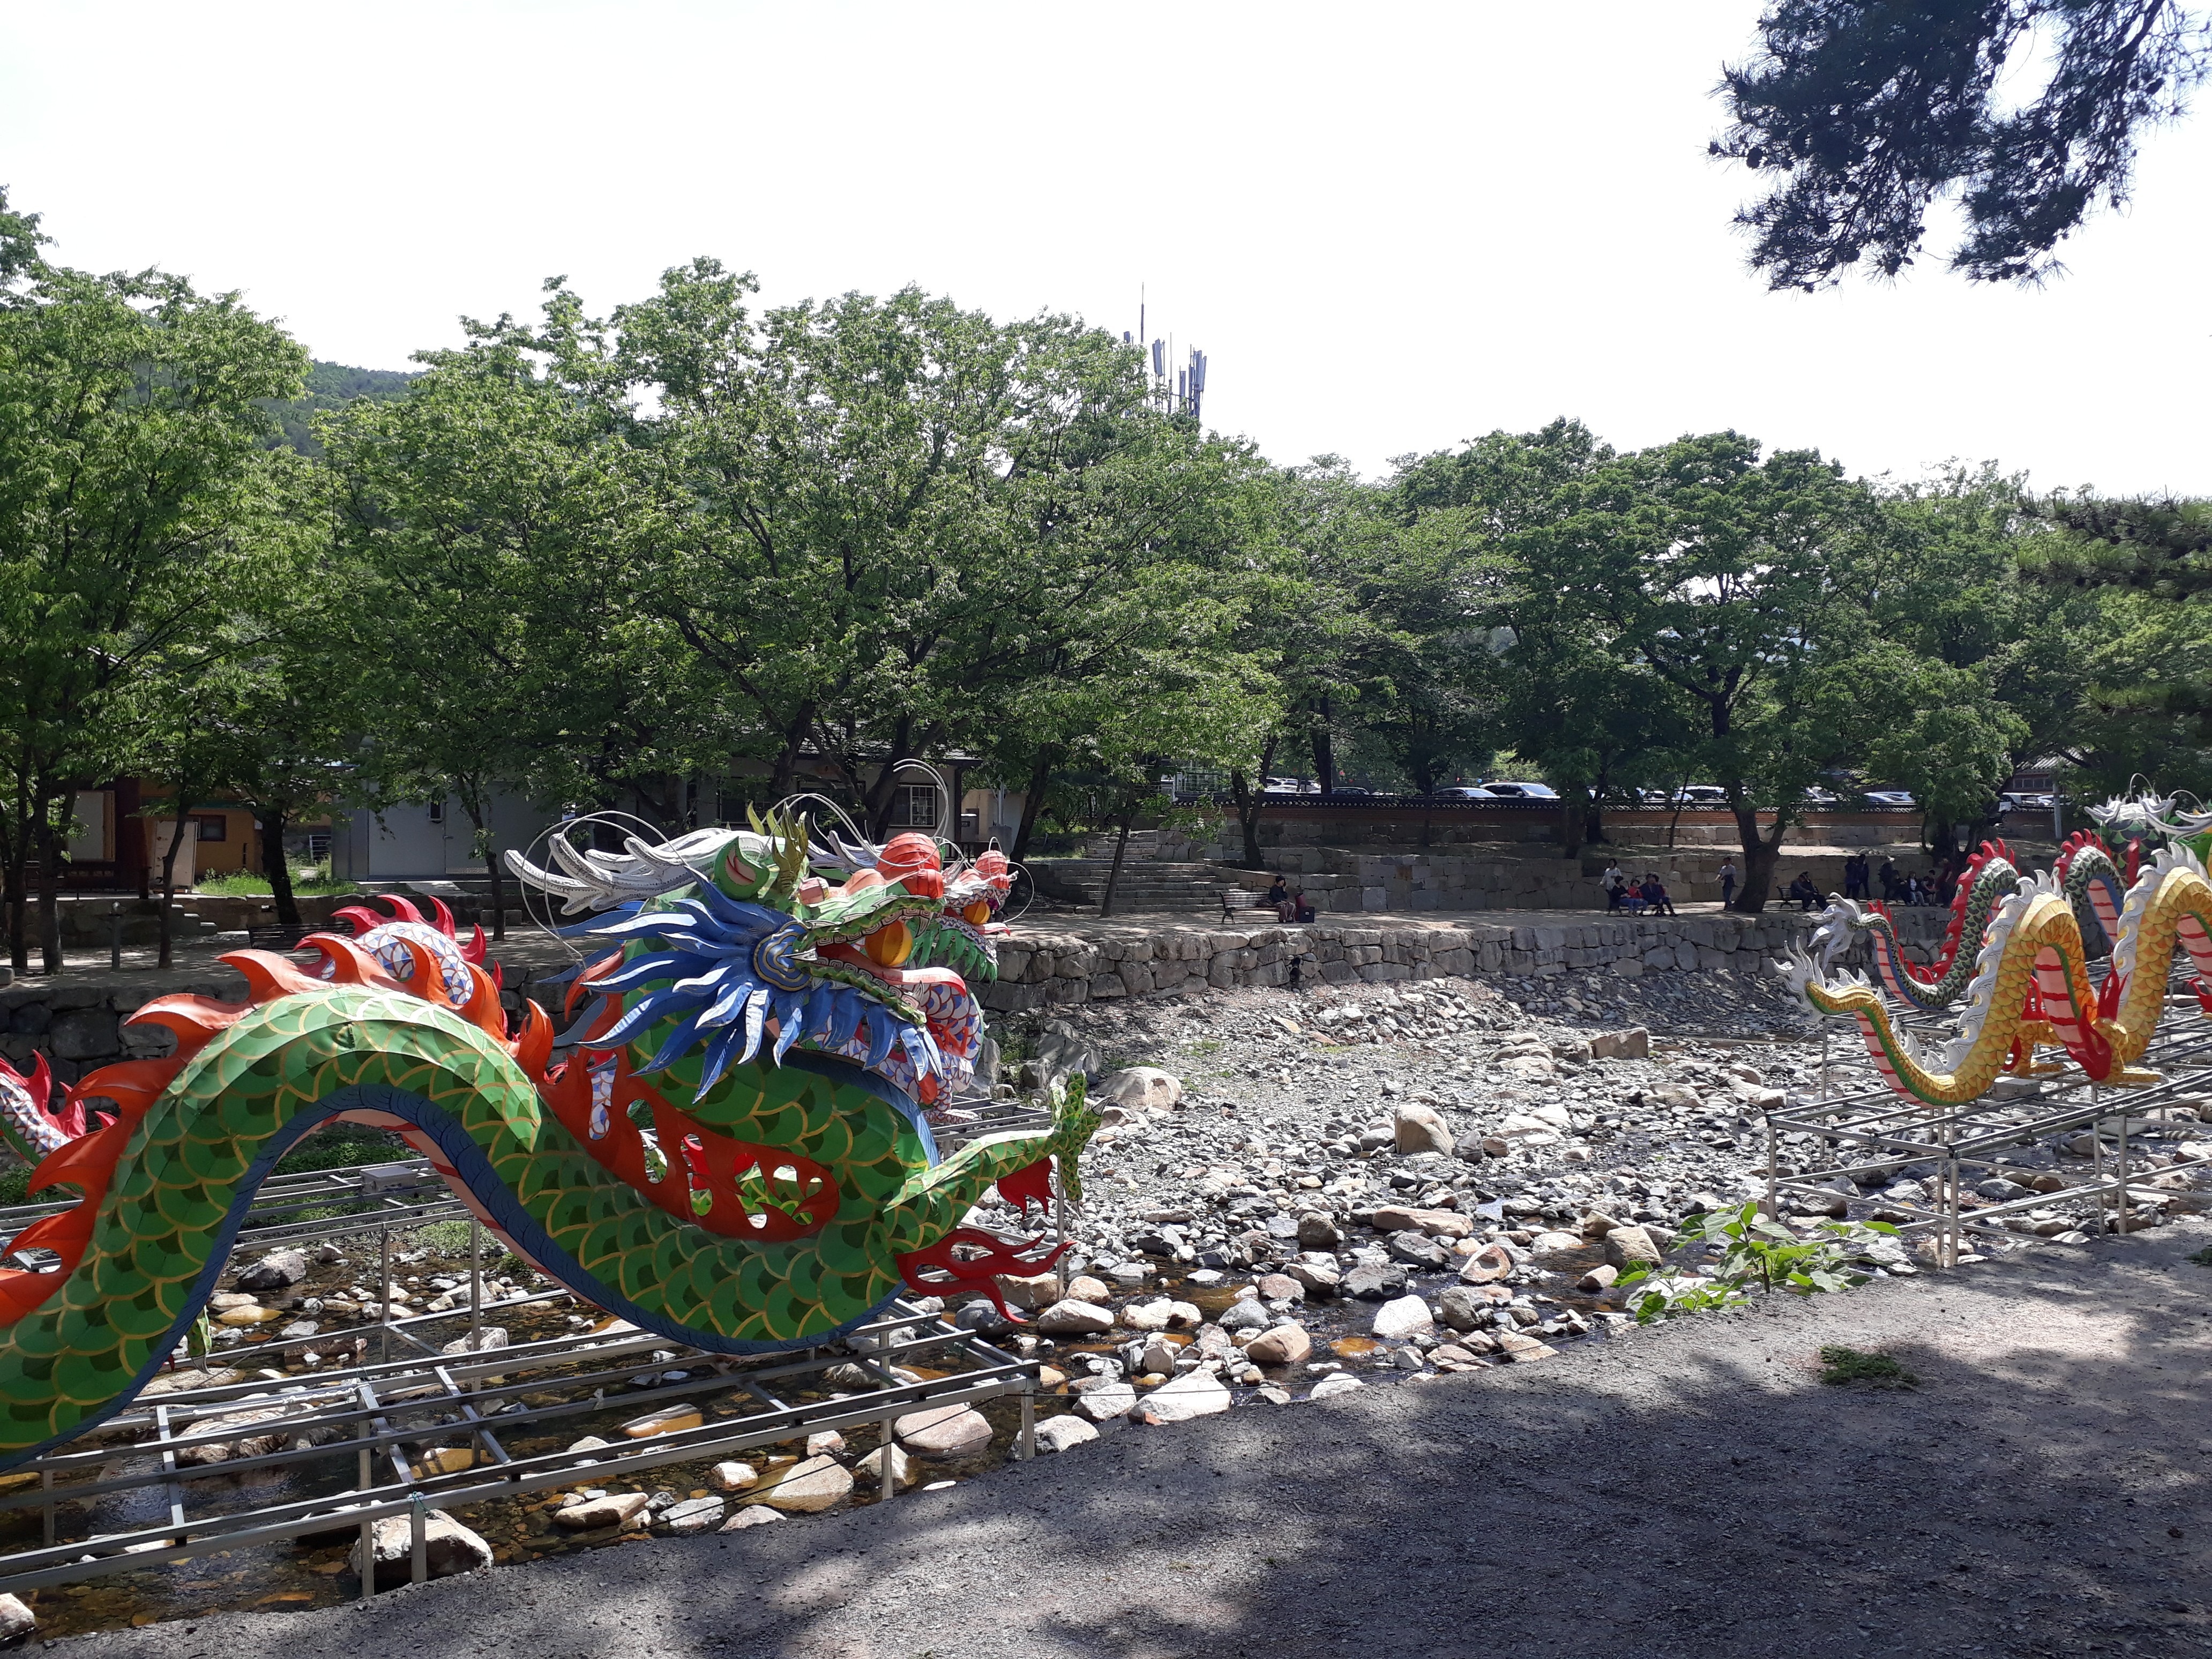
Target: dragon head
(739, 951)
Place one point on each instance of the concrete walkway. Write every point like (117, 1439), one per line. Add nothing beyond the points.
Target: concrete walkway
(1693, 1490)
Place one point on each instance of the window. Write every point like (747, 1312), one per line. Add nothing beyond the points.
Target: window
(915, 807)
(437, 811)
(216, 826)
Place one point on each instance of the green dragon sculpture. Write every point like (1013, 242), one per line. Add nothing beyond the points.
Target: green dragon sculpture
(736, 1149)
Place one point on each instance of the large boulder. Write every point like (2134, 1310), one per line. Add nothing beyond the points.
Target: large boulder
(1075, 1318)
(1417, 1129)
(1631, 1246)
(279, 1270)
(1062, 1052)
(1194, 1393)
(819, 1483)
(1285, 1345)
(448, 1547)
(1142, 1088)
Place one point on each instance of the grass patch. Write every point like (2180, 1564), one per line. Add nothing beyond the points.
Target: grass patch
(244, 883)
(446, 1237)
(16, 1188)
(2202, 1258)
(338, 1149)
(1840, 1365)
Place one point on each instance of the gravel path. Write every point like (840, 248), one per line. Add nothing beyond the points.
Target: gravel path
(1693, 1489)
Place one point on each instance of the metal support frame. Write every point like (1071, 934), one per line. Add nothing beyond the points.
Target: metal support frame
(392, 1413)
(374, 1420)
(1872, 1129)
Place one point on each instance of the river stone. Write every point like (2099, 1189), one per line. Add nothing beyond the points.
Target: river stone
(815, 1484)
(1418, 1250)
(1320, 1277)
(278, 1270)
(753, 1515)
(1060, 1434)
(1629, 1247)
(728, 1477)
(1073, 1317)
(1336, 1383)
(693, 1515)
(944, 1432)
(1285, 1345)
(1085, 1288)
(1490, 1263)
(1378, 1284)
(1142, 1086)
(1597, 1279)
(1245, 1315)
(1152, 1316)
(1436, 1223)
(1033, 1292)
(1408, 1315)
(1280, 1287)
(1521, 1349)
(1463, 1308)
(1555, 1243)
(1634, 1043)
(448, 1547)
(1317, 1231)
(594, 1513)
(15, 1618)
(1107, 1401)
(1194, 1393)
(1418, 1129)
(871, 1466)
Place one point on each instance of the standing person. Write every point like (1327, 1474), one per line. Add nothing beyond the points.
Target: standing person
(1612, 882)
(1727, 882)
(1889, 881)
(1854, 876)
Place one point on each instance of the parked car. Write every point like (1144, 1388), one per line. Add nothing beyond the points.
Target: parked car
(2023, 800)
(1352, 789)
(1522, 791)
(1462, 792)
(1816, 796)
(1891, 798)
(1702, 794)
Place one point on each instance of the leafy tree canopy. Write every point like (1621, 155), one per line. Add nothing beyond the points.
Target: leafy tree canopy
(1871, 112)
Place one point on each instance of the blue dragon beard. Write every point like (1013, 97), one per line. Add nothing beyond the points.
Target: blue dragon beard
(733, 967)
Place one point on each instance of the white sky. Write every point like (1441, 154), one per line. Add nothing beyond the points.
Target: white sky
(1391, 228)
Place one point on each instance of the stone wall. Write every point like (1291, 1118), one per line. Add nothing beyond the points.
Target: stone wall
(1338, 880)
(1037, 969)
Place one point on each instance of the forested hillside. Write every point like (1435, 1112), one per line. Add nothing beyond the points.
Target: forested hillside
(332, 387)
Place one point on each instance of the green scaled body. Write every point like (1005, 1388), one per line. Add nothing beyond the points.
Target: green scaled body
(192, 1157)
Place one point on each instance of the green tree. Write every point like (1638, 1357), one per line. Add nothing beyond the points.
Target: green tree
(135, 500)
(1872, 111)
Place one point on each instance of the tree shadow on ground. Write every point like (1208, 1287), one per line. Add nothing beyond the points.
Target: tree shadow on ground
(1692, 1490)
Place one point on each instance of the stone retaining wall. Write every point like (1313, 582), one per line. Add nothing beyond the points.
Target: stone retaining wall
(1037, 969)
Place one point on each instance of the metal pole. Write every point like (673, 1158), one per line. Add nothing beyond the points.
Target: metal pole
(384, 1302)
(2097, 1157)
(115, 935)
(475, 1285)
(1059, 1224)
(889, 1482)
(1773, 1179)
(418, 1568)
(2124, 1168)
(362, 1483)
(1025, 1448)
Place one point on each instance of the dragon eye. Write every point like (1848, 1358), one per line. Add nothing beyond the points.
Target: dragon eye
(977, 914)
(889, 946)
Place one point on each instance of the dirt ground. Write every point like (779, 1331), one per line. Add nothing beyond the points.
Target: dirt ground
(1693, 1488)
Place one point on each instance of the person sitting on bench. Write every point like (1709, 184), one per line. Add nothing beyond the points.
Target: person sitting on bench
(1804, 893)
(1654, 894)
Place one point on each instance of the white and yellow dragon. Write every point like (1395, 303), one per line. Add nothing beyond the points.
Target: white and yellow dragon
(2032, 988)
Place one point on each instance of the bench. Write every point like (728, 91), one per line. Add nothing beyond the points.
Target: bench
(1235, 899)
